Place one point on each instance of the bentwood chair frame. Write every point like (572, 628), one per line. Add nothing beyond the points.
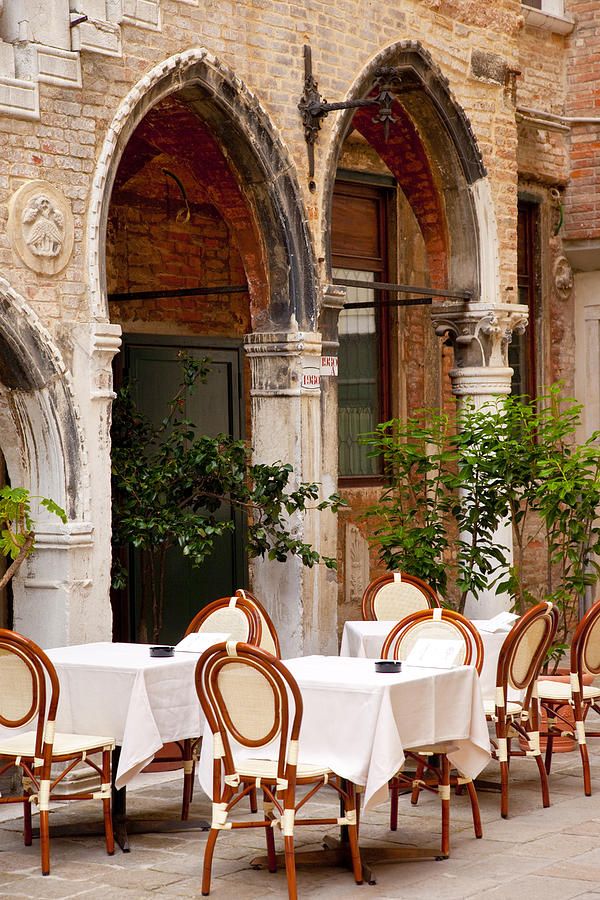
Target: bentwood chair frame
(436, 778)
(553, 696)
(269, 639)
(229, 677)
(239, 616)
(32, 674)
(396, 608)
(521, 658)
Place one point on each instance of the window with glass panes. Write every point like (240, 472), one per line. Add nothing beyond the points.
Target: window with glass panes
(359, 253)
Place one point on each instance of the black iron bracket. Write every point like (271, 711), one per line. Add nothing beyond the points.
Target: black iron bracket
(314, 108)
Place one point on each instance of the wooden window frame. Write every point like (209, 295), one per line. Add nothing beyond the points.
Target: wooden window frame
(382, 190)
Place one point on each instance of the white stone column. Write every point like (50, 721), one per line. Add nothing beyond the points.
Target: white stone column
(480, 335)
(286, 426)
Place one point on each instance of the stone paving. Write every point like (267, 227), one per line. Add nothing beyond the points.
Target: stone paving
(536, 853)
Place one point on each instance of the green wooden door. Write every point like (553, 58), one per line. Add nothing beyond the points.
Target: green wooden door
(215, 408)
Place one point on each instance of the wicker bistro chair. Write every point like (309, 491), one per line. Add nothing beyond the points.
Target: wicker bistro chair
(395, 595)
(553, 695)
(521, 658)
(29, 692)
(250, 698)
(269, 639)
(437, 777)
(241, 619)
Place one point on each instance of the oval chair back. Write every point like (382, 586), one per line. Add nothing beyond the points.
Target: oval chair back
(29, 690)
(585, 646)
(249, 696)
(436, 624)
(395, 595)
(523, 652)
(269, 639)
(234, 616)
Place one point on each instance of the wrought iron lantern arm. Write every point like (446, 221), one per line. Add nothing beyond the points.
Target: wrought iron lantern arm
(314, 108)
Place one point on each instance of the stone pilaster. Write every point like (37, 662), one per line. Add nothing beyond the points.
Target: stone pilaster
(480, 335)
(286, 426)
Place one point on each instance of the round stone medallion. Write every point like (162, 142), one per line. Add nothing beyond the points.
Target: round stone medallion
(40, 227)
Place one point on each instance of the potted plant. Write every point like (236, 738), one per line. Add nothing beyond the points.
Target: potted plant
(169, 484)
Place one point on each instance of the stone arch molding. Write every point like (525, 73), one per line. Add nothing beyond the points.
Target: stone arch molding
(266, 171)
(428, 100)
(39, 419)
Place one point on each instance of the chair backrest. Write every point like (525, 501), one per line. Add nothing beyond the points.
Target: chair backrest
(395, 595)
(269, 639)
(249, 696)
(585, 646)
(523, 652)
(29, 689)
(436, 624)
(234, 616)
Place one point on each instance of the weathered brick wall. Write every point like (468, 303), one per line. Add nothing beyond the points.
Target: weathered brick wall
(262, 43)
(583, 99)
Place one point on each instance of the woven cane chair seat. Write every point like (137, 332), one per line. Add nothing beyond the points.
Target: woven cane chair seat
(560, 690)
(266, 769)
(512, 708)
(62, 745)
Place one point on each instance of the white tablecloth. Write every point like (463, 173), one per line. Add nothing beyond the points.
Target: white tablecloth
(119, 690)
(365, 640)
(359, 723)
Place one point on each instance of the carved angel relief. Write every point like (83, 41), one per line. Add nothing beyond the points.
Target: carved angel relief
(40, 227)
(43, 227)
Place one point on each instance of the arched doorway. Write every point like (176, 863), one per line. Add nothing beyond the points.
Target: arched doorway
(405, 203)
(204, 247)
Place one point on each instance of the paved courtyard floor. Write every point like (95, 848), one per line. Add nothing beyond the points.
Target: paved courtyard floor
(536, 853)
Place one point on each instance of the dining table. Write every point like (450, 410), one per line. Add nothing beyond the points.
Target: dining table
(364, 639)
(143, 702)
(360, 723)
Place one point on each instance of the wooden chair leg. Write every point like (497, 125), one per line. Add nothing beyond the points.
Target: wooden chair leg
(549, 747)
(394, 791)
(290, 867)
(253, 800)
(269, 835)
(504, 789)
(543, 781)
(585, 762)
(208, 858)
(188, 779)
(106, 803)
(351, 807)
(414, 797)
(45, 841)
(27, 833)
(444, 790)
(474, 809)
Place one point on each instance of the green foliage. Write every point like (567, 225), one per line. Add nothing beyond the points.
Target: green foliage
(169, 484)
(17, 535)
(515, 459)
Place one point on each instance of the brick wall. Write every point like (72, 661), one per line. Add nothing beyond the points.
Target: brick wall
(583, 99)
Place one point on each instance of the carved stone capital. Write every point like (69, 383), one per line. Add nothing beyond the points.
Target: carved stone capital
(284, 364)
(480, 334)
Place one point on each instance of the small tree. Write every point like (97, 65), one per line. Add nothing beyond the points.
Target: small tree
(17, 531)
(169, 483)
(448, 493)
